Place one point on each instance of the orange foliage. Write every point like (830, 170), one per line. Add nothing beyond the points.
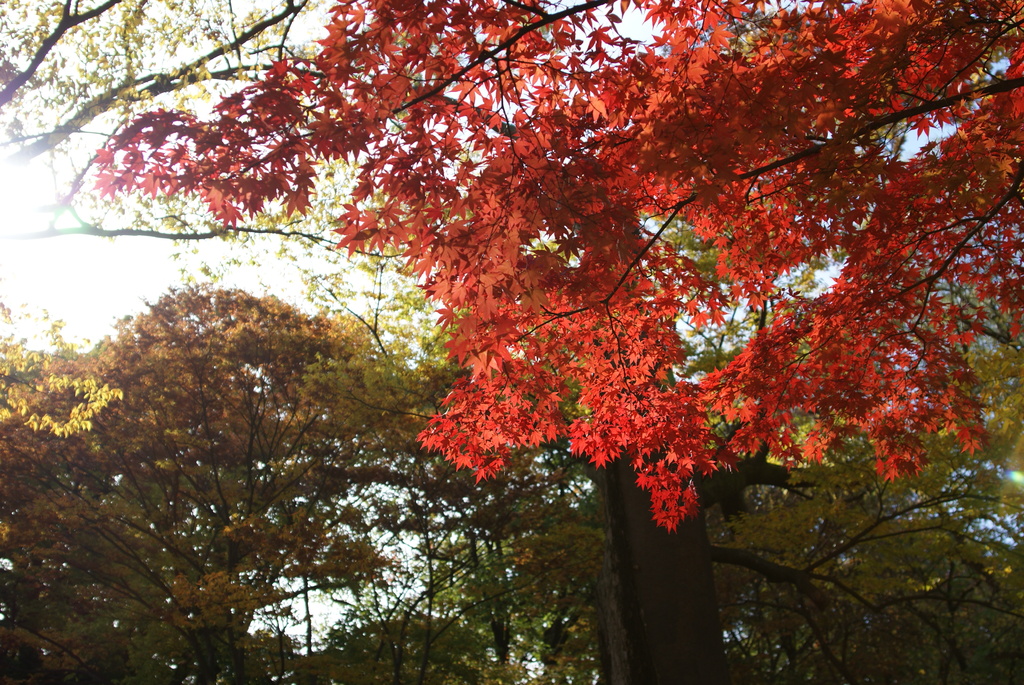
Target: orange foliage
(531, 161)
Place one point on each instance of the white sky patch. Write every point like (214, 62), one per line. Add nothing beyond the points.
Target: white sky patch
(635, 25)
(26, 198)
(87, 282)
(90, 283)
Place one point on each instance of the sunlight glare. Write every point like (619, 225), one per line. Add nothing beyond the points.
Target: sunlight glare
(82, 280)
(26, 199)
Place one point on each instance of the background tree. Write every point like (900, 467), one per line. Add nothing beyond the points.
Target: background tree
(192, 512)
(844, 577)
(28, 375)
(257, 509)
(489, 582)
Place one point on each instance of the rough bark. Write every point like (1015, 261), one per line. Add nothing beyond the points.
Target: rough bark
(657, 610)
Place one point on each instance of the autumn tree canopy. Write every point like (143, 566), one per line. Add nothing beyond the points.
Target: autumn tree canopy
(254, 507)
(195, 504)
(261, 462)
(584, 201)
(28, 376)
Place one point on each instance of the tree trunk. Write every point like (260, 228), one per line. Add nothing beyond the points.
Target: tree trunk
(657, 612)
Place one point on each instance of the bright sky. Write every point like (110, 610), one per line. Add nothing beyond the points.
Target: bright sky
(87, 282)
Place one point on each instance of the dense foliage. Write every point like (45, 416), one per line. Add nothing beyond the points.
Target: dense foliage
(256, 509)
(844, 577)
(544, 172)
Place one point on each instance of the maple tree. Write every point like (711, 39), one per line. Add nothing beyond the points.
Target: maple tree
(543, 172)
(589, 208)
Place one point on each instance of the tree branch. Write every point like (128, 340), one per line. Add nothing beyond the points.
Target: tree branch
(67, 22)
(157, 85)
(772, 572)
(98, 232)
(490, 53)
(892, 118)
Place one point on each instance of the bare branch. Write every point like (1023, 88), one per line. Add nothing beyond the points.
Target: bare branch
(96, 231)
